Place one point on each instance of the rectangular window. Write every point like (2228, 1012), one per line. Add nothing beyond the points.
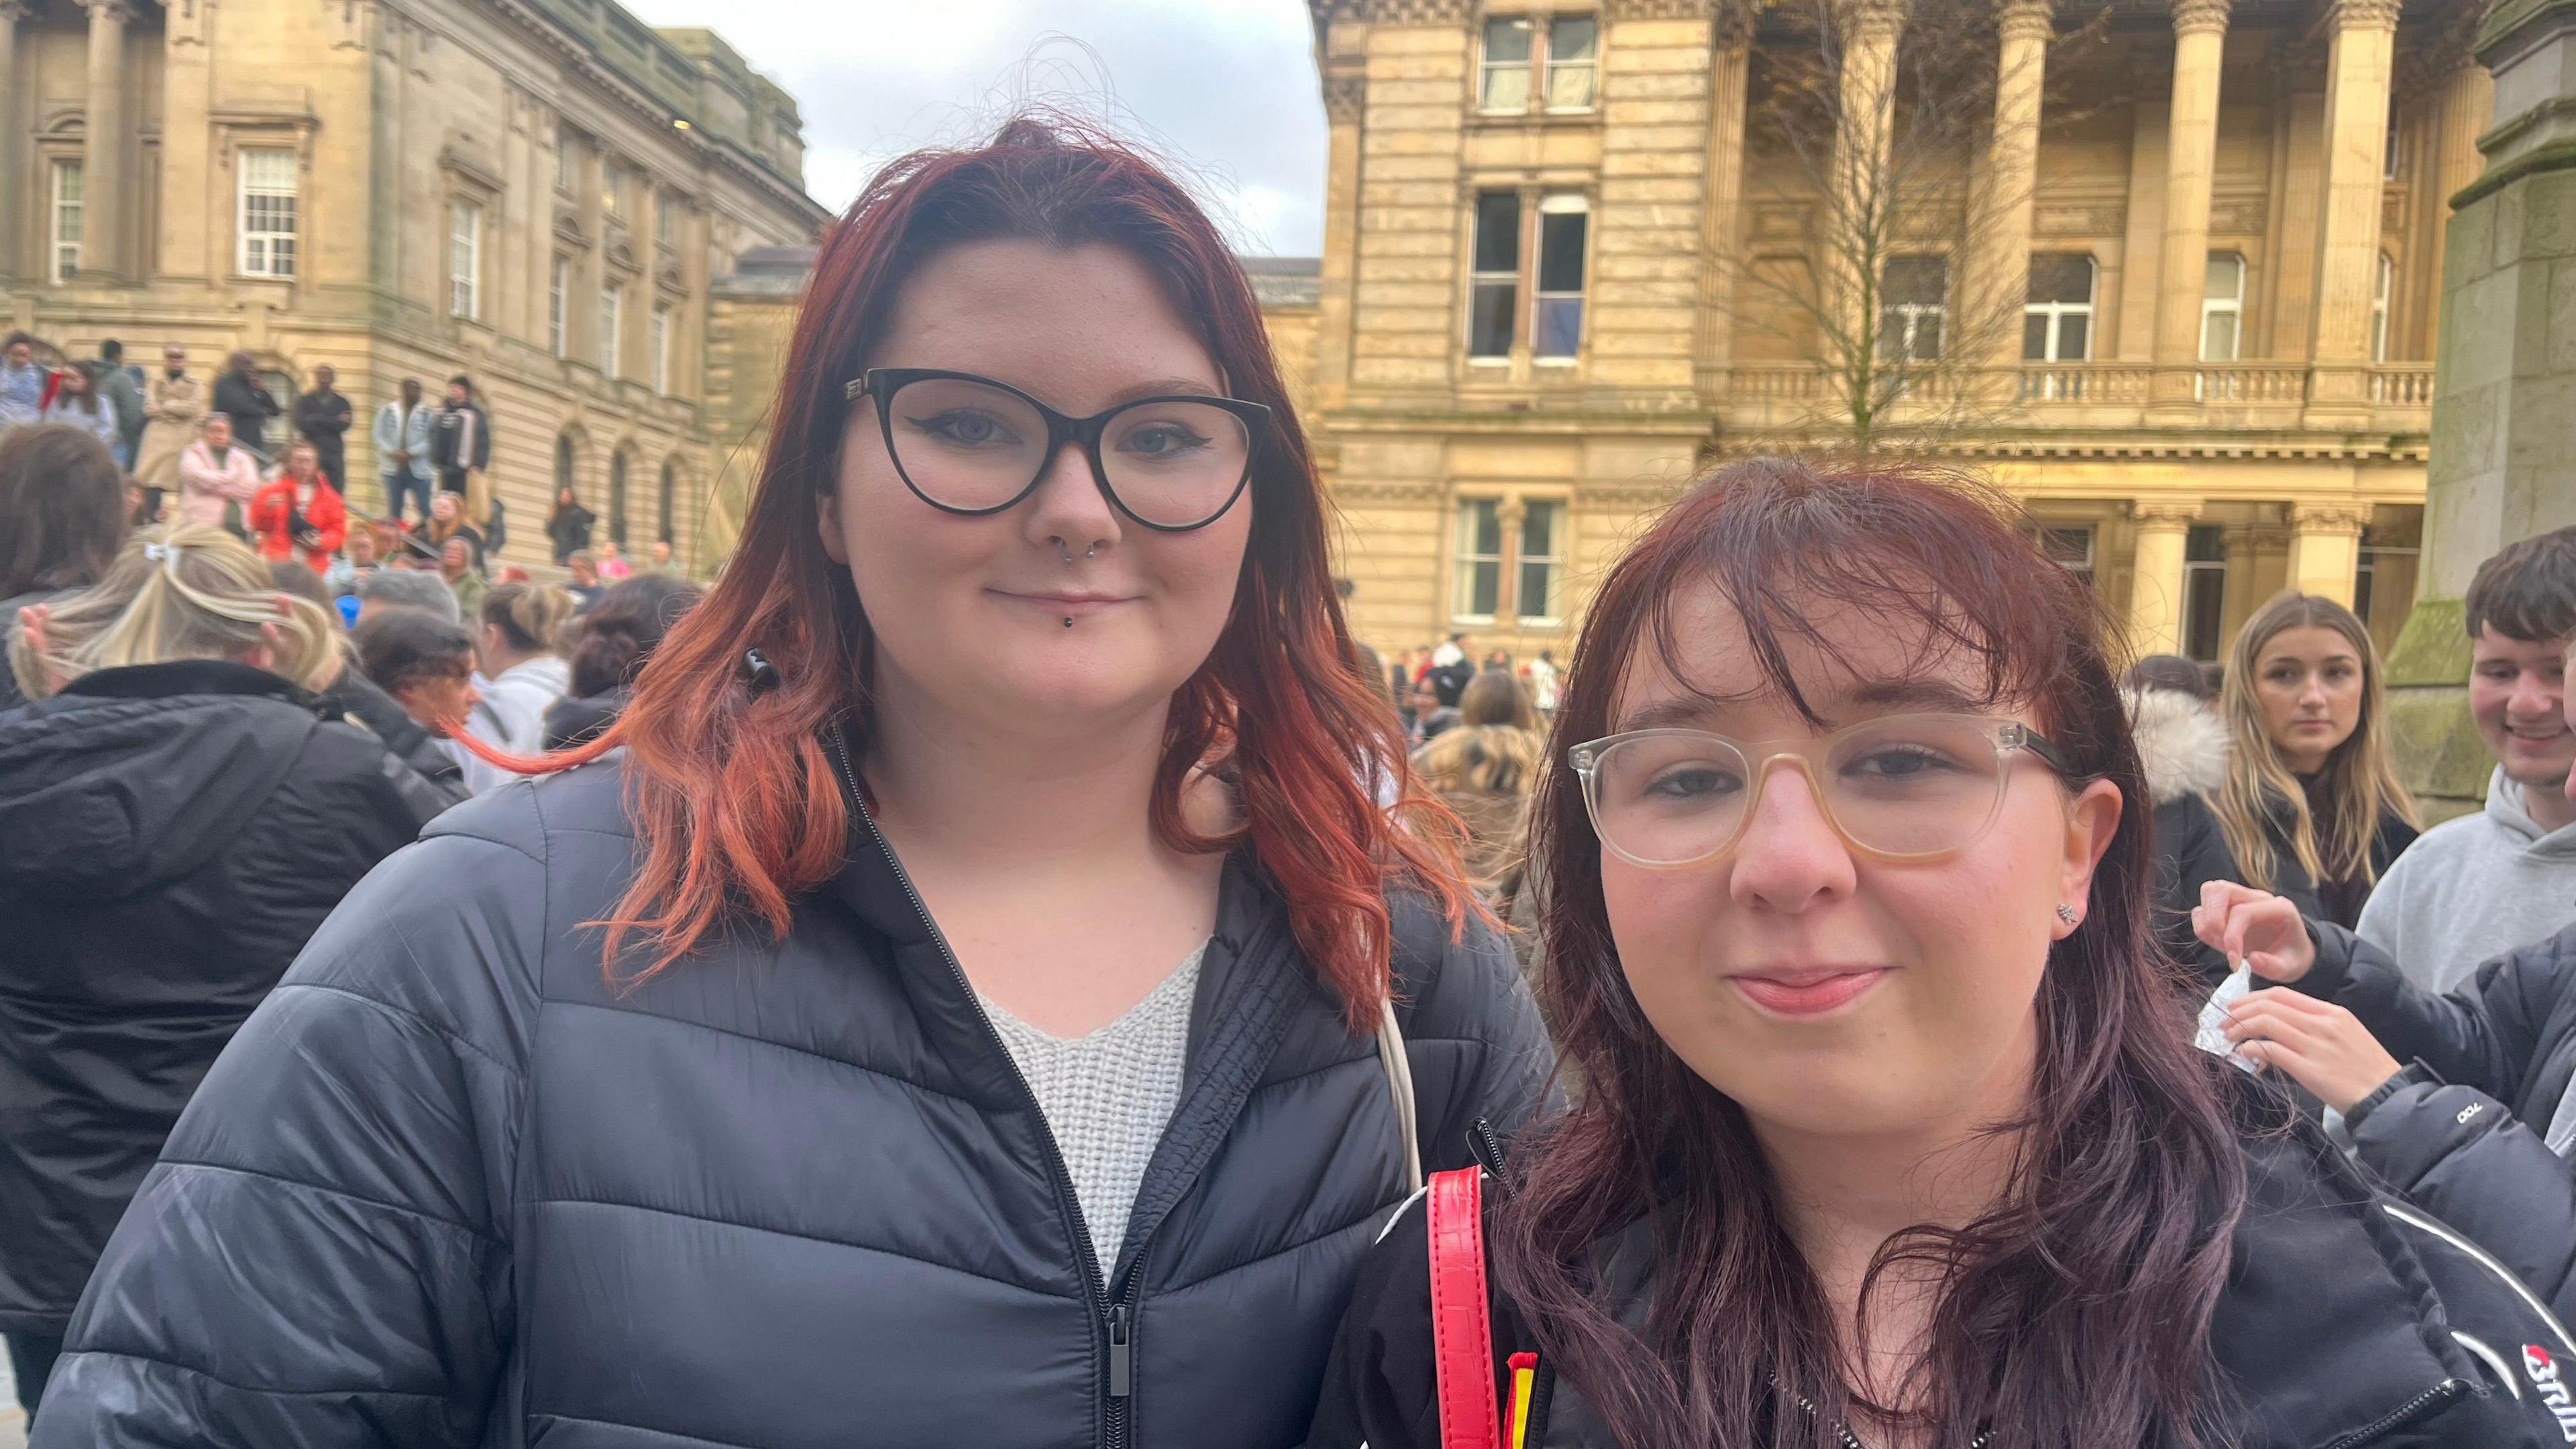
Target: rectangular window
(559, 306)
(660, 341)
(1573, 62)
(611, 301)
(267, 214)
(64, 238)
(2365, 583)
(2222, 308)
(2204, 590)
(1542, 562)
(1914, 307)
(1556, 326)
(663, 214)
(612, 188)
(2379, 301)
(2057, 317)
(2071, 548)
(464, 259)
(1505, 85)
(1480, 559)
(567, 159)
(1494, 290)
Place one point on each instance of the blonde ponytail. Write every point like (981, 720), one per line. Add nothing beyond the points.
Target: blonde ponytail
(191, 591)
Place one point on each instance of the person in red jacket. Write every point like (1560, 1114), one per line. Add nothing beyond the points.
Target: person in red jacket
(300, 514)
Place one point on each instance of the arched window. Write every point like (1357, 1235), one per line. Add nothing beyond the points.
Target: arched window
(670, 493)
(617, 496)
(563, 464)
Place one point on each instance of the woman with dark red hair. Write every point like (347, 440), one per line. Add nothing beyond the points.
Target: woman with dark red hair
(1890, 1134)
(969, 999)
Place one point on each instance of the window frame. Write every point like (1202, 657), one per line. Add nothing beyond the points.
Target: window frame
(612, 308)
(1487, 67)
(559, 305)
(1463, 561)
(2204, 577)
(244, 235)
(2056, 313)
(1480, 281)
(1590, 66)
(57, 207)
(2087, 568)
(464, 259)
(1913, 314)
(1558, 203)
(1554, 561)
(2233, 307)
(567, 160)
(1539, 67)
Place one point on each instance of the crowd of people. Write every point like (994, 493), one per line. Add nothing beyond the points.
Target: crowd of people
(1014, 969)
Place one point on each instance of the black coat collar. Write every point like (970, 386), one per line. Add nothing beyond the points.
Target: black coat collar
(186, 676)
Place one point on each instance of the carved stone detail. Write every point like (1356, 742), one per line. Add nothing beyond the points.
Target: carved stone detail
(2192, 15)
(1345, 96)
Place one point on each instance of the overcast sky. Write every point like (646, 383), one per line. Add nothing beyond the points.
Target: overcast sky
(1226, 88)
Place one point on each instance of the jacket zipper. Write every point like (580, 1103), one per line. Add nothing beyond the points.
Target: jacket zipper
(2407, 1413)
(1114, 1322)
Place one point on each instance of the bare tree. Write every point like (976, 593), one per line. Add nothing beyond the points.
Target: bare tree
(1874, 124)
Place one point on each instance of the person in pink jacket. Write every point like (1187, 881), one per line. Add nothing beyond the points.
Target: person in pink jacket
(214, 471)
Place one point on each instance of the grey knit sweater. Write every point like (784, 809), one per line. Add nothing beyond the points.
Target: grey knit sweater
(1108, 1095)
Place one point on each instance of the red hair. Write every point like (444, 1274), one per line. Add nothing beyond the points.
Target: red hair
(732, 791)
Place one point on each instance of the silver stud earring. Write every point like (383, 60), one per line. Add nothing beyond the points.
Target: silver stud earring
(2066, 913)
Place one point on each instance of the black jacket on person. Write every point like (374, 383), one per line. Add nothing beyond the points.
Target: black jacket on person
(2462, 1130)
(170, 835)
(569, 531)
(321, 417)
(454, 1188)
(2336, 901)
(2349, 1321)
(357, 697)
(574, 720)
(246, 401)
(460, 438)
(2183, 747)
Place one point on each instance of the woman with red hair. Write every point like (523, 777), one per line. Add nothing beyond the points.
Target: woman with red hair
(1005, 952)
(1890, 1134)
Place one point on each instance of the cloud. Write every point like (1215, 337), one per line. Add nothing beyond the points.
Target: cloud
(1222, 89)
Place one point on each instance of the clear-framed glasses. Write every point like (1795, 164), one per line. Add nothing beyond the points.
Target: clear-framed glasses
(969, 445)
(1899, 787)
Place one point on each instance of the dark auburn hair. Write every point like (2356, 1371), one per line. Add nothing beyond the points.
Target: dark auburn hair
(62, 509)
(612, 642)
(2076, 1311)
(399, 648)
(733, 791)
(2527, 590)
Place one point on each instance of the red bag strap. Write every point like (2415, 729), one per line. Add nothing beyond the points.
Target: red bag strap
(1462, 1328)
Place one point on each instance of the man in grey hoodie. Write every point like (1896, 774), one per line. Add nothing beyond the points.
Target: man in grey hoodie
(2474, 888)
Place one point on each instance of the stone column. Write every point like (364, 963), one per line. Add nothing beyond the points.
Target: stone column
(2008, 181)
(2200, 43)
(2357, 79)
(2467, 100)
(2325, 548)
(1866, 86)
(103, 144)
(14, 131)
(2504, 375)
(1345, 101)
(1721, 195)
(2156, 574)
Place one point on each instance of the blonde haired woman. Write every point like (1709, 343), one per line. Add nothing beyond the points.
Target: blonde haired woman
(178, 812)
(1484, 767)
(2312, 808)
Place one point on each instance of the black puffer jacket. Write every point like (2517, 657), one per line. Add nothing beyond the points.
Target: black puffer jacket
(2463, 1130)
(451, 1188)
(2349, 1321)
(170, 836)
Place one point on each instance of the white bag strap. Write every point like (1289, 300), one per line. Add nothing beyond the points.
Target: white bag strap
(1399, 1087)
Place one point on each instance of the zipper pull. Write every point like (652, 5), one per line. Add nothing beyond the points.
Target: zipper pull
(1122, 1353)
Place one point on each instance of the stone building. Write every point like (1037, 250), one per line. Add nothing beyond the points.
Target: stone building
(542, 194)
(2217, 229)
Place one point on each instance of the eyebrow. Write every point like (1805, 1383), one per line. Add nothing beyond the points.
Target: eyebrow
(1163, 387)
(1876, 696)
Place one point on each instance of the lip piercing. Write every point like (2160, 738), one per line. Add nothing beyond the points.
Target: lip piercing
(2065, 912)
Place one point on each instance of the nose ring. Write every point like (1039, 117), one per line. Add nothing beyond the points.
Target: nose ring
(1091, 552)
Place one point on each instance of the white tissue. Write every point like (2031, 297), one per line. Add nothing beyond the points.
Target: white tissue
(2212, 1037)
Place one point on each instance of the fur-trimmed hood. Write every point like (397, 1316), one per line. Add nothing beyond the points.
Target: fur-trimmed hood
(2182, 743)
